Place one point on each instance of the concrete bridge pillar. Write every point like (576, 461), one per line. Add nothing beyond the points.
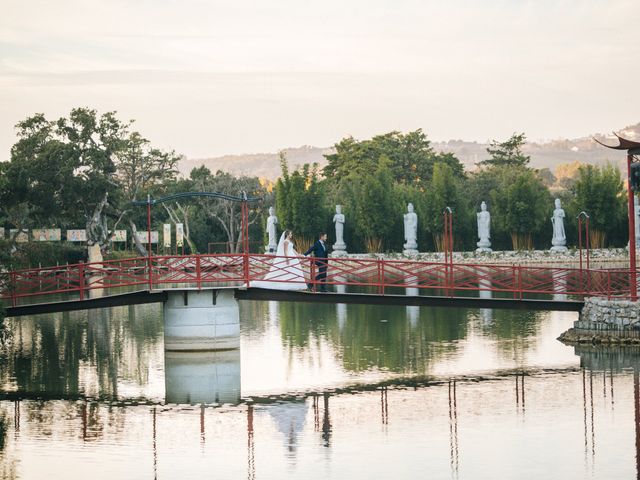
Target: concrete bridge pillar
(201, 320)
(413, 312)
(341, 308)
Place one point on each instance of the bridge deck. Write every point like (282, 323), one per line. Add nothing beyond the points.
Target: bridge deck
(259, 294)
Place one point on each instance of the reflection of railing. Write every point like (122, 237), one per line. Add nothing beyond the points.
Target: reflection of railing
(244, 269)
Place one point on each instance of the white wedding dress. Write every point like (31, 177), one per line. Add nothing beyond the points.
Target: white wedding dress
(285, 272)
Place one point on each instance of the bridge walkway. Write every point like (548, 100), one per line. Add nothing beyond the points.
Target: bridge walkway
(260, 294)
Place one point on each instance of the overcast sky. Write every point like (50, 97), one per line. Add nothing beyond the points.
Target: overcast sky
(207, 77)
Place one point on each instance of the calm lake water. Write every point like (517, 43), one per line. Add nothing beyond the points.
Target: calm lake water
(316, 392)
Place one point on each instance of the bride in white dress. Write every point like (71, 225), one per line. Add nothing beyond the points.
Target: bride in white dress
(285, 272)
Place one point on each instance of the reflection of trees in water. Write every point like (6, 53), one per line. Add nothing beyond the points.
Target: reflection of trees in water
(387, 337)
(300, 324)
(302, 329)
(8, 462)
(612, 358)
(59, 421)
(607, 362)
(375, 336)
(3, 430)
(43, 415)
(5, 333)
(369, 341)
(254, 317)
(103, 344)
(515, 331)
(59, 354)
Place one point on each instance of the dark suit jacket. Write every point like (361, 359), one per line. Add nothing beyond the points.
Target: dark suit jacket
(318, 250)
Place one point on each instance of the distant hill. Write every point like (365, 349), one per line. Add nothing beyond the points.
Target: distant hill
(543, 155)
(263, 165)
(549, 154)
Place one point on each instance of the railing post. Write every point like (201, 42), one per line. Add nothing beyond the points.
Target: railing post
(245, 262)
(608, 285)
(13, 288)
(448, 250)
(587, 240)
(380, 277)
(452, 277)
(449, 280)
(586, 224)
(446, 279)
(588, 267)
(81, 279)
(520, 281)
(198, 273)
(580, 247)
(150, 274)
(312, 274)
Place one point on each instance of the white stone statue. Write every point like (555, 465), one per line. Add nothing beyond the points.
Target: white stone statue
(272, 221)
(338, 219)
(484, 229)
(410, 231)
(559, 240)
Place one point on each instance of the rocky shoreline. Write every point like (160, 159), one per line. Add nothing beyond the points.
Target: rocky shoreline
(575, 336)
(605, 321)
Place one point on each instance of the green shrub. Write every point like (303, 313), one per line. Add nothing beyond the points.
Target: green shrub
(46, 254)
(120, 255)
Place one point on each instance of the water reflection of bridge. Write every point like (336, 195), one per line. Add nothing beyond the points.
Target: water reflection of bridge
(355, 280)
(289, 414)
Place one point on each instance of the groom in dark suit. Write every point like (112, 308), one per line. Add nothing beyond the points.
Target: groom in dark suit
(320, 251)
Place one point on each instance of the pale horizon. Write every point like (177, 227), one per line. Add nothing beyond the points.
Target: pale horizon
(209, 78)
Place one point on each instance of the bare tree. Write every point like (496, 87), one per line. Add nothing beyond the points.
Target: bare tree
(226, 213)
(180, 214)
(141, 168)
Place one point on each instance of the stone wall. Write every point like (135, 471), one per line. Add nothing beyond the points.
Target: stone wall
(613, 257)
(606, 321)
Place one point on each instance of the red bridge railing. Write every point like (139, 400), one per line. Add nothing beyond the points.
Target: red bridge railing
(200, 271)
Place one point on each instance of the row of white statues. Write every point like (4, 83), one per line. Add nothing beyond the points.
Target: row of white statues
(558, 241)
(338, 248)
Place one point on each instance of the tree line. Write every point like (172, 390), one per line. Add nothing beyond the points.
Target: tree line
(85, 169)
(375, 179)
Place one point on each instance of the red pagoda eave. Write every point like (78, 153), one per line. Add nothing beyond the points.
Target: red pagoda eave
(623, 144)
